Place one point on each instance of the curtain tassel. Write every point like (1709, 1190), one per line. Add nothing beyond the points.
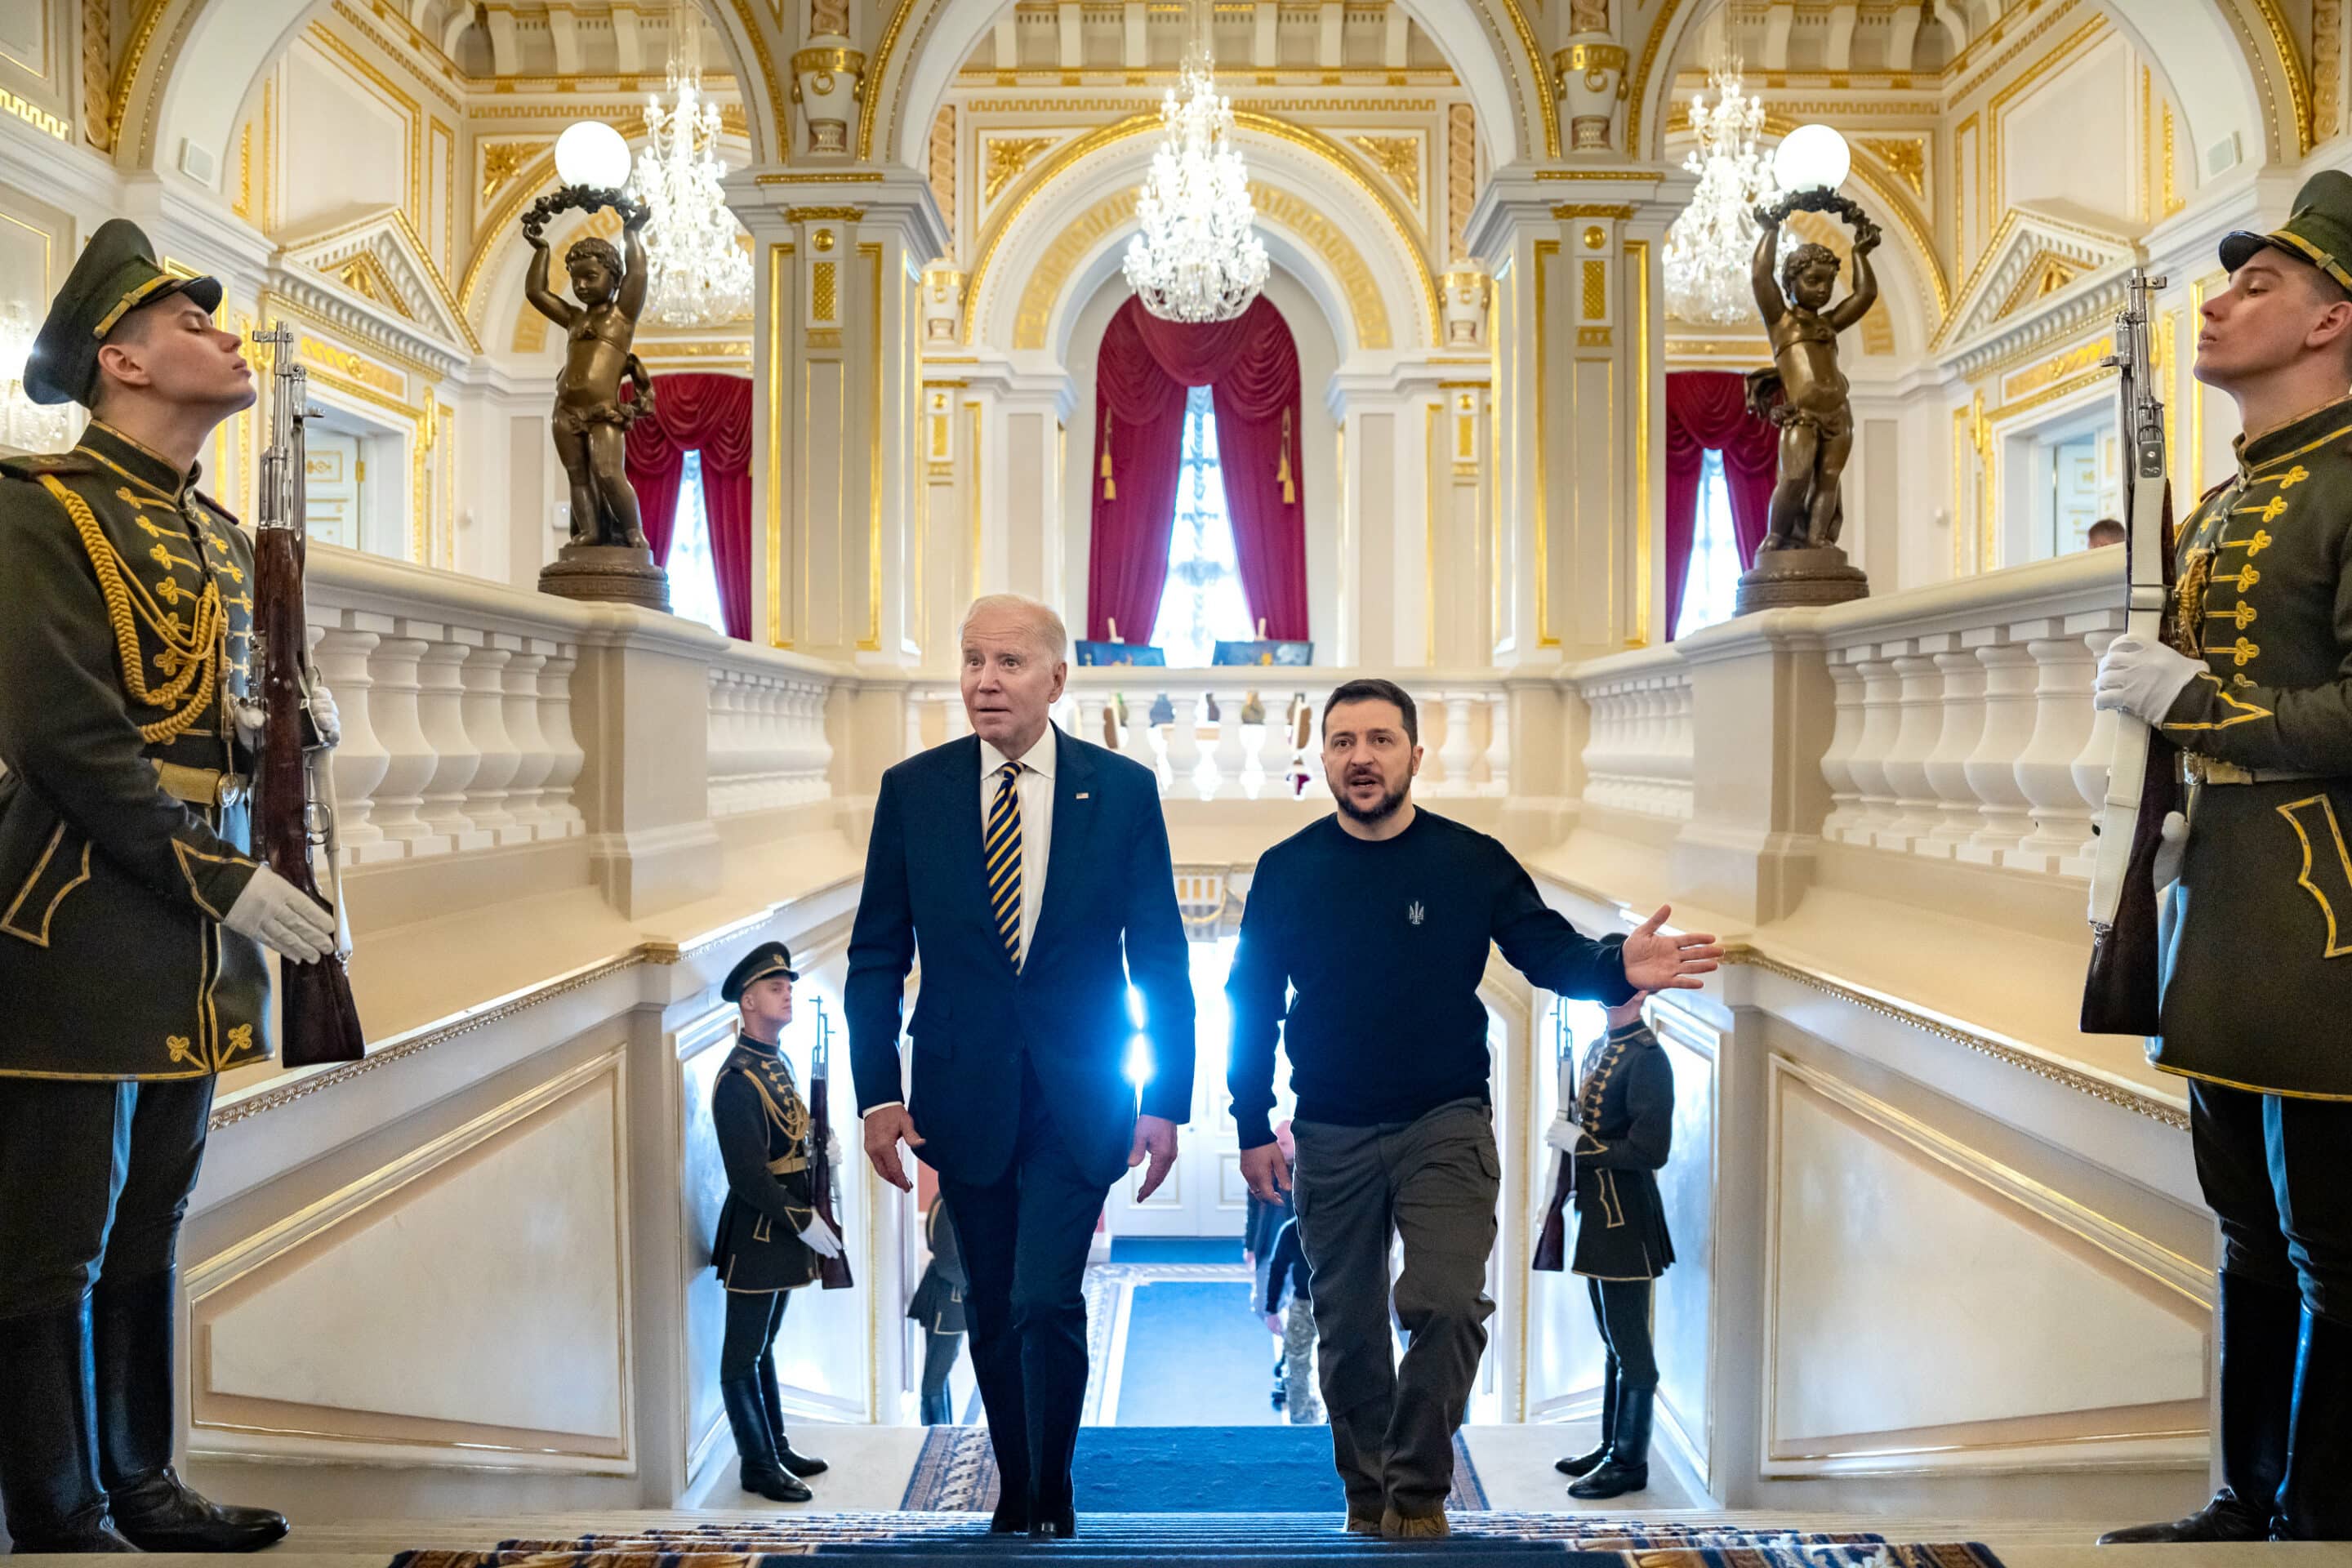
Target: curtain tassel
(1289, 487)
(1110, 488)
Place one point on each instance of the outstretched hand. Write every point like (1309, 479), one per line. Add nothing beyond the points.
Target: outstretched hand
(1155, 1136)
(1659, 961)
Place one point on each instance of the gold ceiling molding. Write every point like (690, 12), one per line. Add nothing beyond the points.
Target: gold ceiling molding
(1906, 156)
(1531, 63)
(502, 161)
(1368, 312)
(1066, 106)
(1008, 159)
(1398, 157)
(1311, 141)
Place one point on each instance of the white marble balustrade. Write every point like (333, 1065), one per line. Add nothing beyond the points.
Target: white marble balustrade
(1204, 746)
(456, 701)
(1641, 747)
(768, 742)
(1964, 723)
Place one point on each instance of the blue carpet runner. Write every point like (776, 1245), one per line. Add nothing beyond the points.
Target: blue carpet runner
(1205, 1541)
(1196, 1356)
(1166, 1469)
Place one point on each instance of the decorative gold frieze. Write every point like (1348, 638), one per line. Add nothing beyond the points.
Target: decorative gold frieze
(1009, 158)
(502, 161)
(1398, 157)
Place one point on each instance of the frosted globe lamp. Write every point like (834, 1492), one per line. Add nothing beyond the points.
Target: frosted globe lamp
(1811, 158)
(592, 153)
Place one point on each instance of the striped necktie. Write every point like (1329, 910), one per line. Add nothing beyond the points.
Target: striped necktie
(1001, 852)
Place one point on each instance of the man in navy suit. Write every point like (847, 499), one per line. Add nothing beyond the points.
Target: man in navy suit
(1033, 871)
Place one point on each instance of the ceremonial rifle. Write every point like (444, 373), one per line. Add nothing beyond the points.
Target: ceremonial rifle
(2122, 988)
(832, 1273)
(294, 788)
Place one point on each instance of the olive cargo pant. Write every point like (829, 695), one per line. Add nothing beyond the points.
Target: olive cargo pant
(1433, 1181)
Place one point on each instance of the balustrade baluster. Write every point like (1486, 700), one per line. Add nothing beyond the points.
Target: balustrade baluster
(1963, 678)
(1919, 717)
(527, 791)
(360, 760)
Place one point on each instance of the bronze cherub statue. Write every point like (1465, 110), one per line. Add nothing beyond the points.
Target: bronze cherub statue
(590, 419)
(1815, 417)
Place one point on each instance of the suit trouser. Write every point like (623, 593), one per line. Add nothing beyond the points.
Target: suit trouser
(1433, 1181)
(2273, 1170)
(1298, 1363)
(94, 1181)
(1026, 1236)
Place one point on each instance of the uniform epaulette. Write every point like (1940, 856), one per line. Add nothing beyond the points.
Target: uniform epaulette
(33, 465)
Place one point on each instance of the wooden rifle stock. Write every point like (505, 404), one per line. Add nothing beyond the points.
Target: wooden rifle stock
(318, 1020)
(832, 1273)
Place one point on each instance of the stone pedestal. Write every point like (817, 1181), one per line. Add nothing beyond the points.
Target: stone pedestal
(607, 573)
(1786, 579)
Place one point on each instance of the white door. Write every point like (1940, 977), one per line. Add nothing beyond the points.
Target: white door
(333, 486)
(1204, 1195)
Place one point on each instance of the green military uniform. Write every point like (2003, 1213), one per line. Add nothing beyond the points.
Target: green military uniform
(762, 1127)
(2258, 972)
(1625, 1124)
(124, 632)
(123, 822)
(2266, 600)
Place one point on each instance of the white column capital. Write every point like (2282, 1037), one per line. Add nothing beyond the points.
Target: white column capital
(774, 202)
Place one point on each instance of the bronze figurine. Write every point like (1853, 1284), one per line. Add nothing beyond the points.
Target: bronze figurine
(590, 419)
(1815, 417)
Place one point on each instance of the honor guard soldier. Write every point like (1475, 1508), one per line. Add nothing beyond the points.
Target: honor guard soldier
(1615, 1144)
(770, 1239)
(2257, 692)
(132, 917)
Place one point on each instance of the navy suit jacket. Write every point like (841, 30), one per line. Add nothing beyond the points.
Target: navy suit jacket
(1110, 915)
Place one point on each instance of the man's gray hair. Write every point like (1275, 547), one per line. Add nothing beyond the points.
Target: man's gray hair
(1052, 637)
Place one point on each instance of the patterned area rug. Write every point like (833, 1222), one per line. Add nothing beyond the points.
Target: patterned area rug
(1166, 1469)
(1210, 1540)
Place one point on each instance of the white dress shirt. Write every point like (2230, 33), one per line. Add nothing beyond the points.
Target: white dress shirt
(1037, 787)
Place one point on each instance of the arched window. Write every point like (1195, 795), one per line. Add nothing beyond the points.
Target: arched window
(1203, 600)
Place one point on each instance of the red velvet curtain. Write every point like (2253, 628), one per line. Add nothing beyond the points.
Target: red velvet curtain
(1143, 372)
(712, 414)
(1707, 409)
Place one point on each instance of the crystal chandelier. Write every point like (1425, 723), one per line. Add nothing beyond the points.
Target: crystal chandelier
(25, 425)
(701, 275)
(1707, 249)
(1199, 257)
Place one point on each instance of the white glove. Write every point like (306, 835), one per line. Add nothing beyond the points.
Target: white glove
(2142, 678)
(252, 718)
(1561, 1135)
(821, 1239)
(282, 918)
(324, 718)
(2171, 851)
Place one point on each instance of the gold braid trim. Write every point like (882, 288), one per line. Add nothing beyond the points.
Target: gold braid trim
(200, 652)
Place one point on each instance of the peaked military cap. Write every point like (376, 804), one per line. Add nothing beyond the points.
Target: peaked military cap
(115, 274)
(2319, 231)
(768, 958)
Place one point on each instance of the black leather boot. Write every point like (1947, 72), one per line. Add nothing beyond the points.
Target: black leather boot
(48, 1441)
(771, 1400)
(2255, 1331)
(1627, 1468)
(130, 1338)
(2315, 1502)
(748, 1419)
(1585, 1464)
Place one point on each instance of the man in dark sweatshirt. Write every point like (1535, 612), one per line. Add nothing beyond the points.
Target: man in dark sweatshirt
(1363, 943)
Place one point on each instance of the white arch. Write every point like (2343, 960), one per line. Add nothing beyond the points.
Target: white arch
(236, 41)
(2191, 42)
(1392, 272)
(955, 29)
